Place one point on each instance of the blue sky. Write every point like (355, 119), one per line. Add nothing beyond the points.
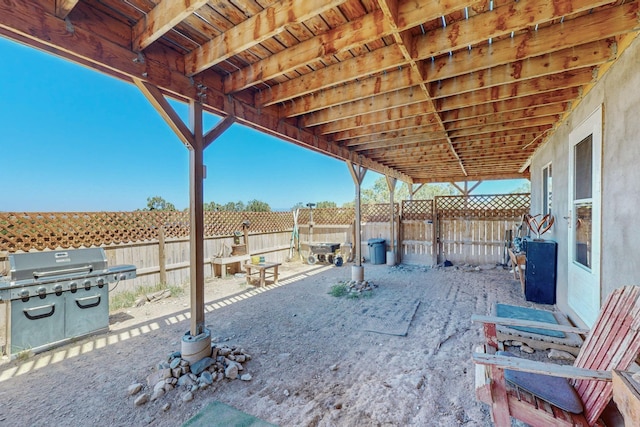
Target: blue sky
(73, 139)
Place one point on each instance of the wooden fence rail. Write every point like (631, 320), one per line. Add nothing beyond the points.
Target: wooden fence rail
(460, 229)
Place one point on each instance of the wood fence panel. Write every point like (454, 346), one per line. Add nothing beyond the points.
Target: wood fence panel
(461, 229)
(416, 242)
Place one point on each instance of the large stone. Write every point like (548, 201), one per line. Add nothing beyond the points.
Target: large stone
(134, 389)
(206, 378)
(224, 351)
(142, 399)
(186, 396)
(158, 376)
(526, 349)
(175, 363)
(231, 371)
(198, 367)
(560, 355)
(157, 394)
(185, 380)
(159, 386)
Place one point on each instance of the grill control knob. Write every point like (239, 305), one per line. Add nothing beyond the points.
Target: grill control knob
(57, 289)
(24, 293)
(73, 286)
(100, 282)
(42, 291)
(87, 284)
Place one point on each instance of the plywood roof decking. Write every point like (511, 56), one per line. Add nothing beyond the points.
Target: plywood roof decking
(420, 90)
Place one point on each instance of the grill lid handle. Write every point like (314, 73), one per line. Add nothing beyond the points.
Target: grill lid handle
(86, 268)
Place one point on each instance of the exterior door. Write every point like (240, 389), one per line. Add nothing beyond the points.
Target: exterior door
(584, 217)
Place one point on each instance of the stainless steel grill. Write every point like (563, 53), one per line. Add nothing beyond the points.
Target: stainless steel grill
(51, 297)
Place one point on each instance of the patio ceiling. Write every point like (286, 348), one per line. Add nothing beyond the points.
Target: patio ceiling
(420, 90)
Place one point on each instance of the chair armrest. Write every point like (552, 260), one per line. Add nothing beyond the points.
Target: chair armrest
(526, 365)
(507, 321)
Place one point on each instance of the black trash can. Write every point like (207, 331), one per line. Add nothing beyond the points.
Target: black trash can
(377, 251)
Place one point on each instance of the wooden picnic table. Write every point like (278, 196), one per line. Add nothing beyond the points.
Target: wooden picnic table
(261, 271)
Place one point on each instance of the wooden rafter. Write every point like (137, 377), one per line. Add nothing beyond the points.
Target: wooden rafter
(64, 7)
(161, 19)
(368, 28)
(415, 89)
(260, 27)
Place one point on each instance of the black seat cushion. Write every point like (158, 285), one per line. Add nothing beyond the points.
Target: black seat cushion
(555, 390)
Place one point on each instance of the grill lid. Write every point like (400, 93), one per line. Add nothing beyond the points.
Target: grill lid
(42, 265)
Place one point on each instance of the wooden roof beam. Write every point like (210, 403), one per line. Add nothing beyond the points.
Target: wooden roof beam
(472, 177)
(553, 110)
(361, 90)
(587, 55)
(571, 59)
(497, 144)
(486, 107)
(558, 99)
(377, 117)
(64, 7)
(603, 24)
(395, 144)
(373, 62)
(484, 138)
(368, 28)
(411, 125)
(599, 25)
(513, 16)
(504, 126)
(540, 85)
(270, 22)
(360, 145)
(349, 35)
(381, 102)
(161, 19)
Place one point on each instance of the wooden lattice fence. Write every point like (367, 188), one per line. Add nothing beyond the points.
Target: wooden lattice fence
(457, 228)
(487, 206)
(52, 230)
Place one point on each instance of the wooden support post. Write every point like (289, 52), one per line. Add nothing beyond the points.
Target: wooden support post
(357, 173)
(196, 211)
(391, 185)
(195, 141)
(162, 258)
(435, 245)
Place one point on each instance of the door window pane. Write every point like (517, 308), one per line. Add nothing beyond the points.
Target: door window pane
(583, 172)
(583, 233)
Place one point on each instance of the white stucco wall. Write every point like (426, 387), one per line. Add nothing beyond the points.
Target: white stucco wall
(619, 94)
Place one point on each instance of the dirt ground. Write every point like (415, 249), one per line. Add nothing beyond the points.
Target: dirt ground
(313, 364)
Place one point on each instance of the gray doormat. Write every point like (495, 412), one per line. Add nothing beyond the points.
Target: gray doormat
(391, 317)
(217, 414)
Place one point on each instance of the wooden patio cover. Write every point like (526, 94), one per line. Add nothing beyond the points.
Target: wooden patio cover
(417, 90)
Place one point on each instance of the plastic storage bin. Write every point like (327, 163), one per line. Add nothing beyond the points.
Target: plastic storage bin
(377, 251)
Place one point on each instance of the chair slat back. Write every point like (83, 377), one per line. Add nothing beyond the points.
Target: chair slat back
(612, 343)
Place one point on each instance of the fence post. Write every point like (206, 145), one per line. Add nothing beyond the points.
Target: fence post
(435, 244)
(161, 256)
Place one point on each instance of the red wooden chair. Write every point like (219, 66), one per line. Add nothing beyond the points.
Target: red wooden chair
(612, 343)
